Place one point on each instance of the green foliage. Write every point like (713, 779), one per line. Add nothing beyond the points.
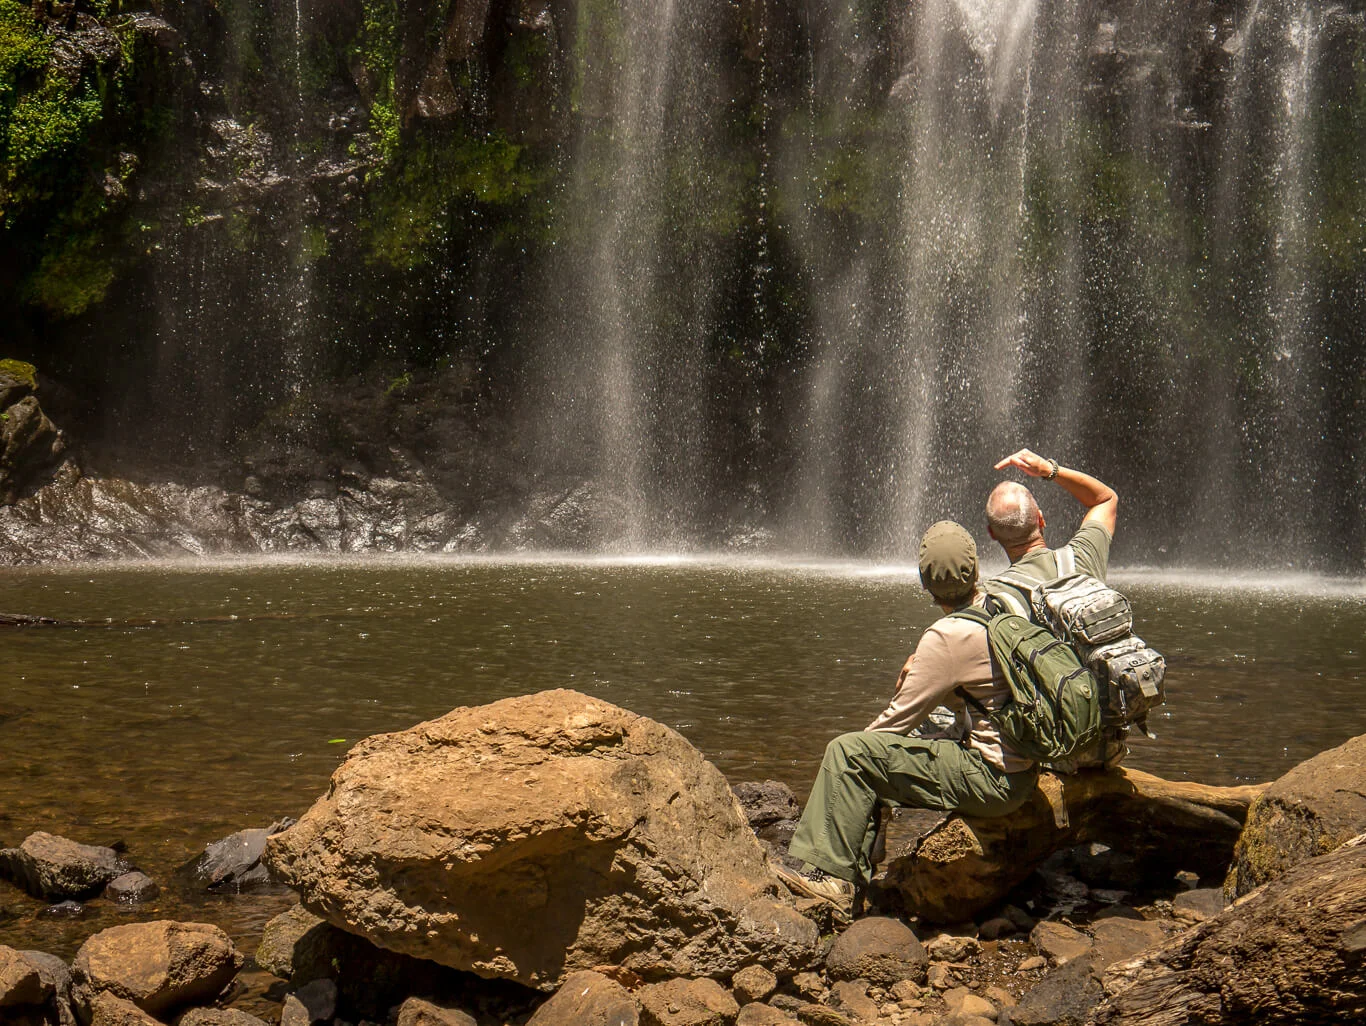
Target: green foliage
(72, 279)
(442, 181)
(376, 46)
(1342, 223)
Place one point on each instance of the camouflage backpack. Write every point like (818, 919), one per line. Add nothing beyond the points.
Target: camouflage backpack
(1054, 706)
(1098, 622)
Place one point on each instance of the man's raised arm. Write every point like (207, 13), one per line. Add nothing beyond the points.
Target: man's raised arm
(1101, 501)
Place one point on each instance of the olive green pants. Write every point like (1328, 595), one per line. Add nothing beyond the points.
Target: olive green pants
(838, 825)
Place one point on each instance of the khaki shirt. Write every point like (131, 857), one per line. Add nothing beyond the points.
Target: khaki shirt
(953, 653)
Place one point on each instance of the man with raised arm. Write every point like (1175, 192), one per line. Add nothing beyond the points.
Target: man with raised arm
(966, 769)
(1017, 524)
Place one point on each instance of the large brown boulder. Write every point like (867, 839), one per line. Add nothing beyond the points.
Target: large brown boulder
(539, 836)
(159, 966)
(1318, 805)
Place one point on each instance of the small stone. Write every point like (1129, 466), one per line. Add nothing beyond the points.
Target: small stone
(947, 947)
(1023, 921)
(1199, 905)
(809, 985)
(994, 929)
(219, 1017)
(107, 1009)
(940, 976)
(686, 1003)
(417, 1012)
(756, 1014)
(1032, 963)
(877, 949)
(1107, 896)
(1001, 996)
(1188, 880)
(964, 1002)
(753, 983)
(1059, 941)
(888, 1009)
(585, 997)
(851, 996)
(1117, 939)
(132, 888)
(906, 991)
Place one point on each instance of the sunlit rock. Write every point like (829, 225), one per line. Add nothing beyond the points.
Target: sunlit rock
(539, 836)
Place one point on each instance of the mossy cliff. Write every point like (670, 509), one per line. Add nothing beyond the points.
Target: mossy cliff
(792, 222)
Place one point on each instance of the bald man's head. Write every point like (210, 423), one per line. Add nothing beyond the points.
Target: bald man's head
(1013, 515)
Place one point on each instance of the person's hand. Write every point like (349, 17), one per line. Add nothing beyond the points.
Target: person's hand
(1028, 461)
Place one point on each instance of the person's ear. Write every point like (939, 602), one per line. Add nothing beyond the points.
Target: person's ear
(992, 532)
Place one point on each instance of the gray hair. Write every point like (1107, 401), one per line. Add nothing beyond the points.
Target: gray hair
(1012, 513)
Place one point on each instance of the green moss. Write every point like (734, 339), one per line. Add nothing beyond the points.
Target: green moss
(442, 182)
(73, 279)
(376, 47)
(24, 373)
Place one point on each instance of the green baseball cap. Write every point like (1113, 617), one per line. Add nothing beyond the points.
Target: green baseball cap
(948, 562)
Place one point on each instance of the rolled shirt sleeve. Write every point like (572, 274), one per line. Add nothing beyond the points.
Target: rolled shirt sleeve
(930, 680)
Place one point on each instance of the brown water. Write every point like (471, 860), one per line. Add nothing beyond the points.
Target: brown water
(168, 736)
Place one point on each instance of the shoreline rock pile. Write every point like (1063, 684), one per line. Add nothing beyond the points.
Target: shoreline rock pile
(554, 860)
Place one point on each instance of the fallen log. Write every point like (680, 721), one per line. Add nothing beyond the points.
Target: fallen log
(961, 865)
(1291, 952)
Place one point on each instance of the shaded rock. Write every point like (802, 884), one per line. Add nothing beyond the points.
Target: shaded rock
(54, 868)
(315, 1001)
(879, 950)
(753, 983)
(57, 974)
(1059, 942)
(20, 981)
(766, 802)
(809, 985)
(1116, 939)
(1310, 811)
(620, 842)
(686, 1003)
(30, 444)
(1199, 905)
(299, 947)
(108, 1009)
(761, 1015)
(821, 1015)
(219, 1017)
(418, 1012)
(851, 998)
(234, 863)
(159, 966)
(588, 999)
(1064, 997)
(997, 927)
(132, 888)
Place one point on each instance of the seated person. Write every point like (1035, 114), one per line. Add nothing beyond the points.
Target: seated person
(971, 772)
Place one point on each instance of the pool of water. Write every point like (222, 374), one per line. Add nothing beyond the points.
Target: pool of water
(206, 698)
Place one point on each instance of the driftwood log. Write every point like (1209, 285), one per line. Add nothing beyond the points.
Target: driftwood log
(1291, 952)
(962, 865)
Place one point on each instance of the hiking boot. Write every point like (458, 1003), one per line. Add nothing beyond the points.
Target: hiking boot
(817, 883)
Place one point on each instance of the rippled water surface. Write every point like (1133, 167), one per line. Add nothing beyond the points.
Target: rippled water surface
(171, 734)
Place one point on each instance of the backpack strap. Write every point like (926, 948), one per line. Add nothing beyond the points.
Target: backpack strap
(984, 618)
(1066, 558)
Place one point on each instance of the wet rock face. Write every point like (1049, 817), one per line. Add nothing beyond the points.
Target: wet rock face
(233, 864)
(30, 444)
(54, 868)
(1318, 805)
(615, 839)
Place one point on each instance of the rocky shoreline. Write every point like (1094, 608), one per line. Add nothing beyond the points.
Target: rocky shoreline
(553, 859)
